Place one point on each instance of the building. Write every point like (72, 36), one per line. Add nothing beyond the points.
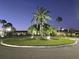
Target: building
(68, 32)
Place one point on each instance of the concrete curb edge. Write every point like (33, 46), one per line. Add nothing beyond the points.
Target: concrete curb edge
(8, 45)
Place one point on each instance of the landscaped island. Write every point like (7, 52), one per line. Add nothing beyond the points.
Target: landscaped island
(40, 32)
(33, 42)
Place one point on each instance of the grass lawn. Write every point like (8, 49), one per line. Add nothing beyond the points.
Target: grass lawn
(24, 42)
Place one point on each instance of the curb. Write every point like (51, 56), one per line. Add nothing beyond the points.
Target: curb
(16, 46)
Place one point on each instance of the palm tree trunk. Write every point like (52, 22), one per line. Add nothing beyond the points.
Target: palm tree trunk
(3, 30)
(41, 30)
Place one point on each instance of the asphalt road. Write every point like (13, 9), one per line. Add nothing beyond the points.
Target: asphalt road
(39, 53)
(69, 52)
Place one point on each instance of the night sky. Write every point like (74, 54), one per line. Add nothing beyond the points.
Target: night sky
(20, 12)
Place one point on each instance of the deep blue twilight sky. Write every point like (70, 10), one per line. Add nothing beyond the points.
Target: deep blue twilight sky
(20, 12)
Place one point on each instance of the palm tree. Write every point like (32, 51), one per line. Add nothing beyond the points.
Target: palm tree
(3, 22)
(8, 27)
(40, 17)
(13, 29)
(59, 20)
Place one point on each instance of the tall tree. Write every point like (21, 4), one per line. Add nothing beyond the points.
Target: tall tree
(9, 29)
(59, 20)
(41, 16)
(3, 22)
(8, 26)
